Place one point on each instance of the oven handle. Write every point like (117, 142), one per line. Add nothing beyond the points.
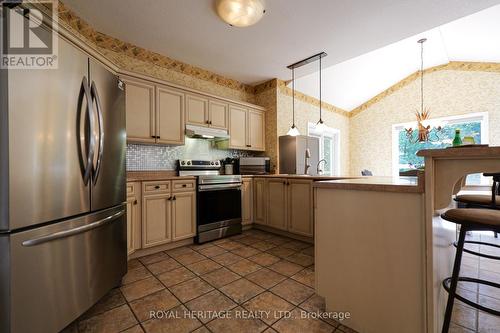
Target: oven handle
(219, 187)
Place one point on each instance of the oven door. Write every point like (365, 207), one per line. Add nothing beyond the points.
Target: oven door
(219, 205)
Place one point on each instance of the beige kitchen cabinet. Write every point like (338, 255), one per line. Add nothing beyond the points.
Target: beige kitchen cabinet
(300, 207)
(218, 114)
(168, 211)
(133, 217)
(277, 203)
(260, 202)
(256, 130)
(197, 110)
(237, 127)
(169, 116)
(247, 201)
(184, 215)
(156, 219)
(246, 129)
(140, 111)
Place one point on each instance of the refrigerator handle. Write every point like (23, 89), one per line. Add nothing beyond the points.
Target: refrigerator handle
(84, 90)
(95, 95)
(74, 231)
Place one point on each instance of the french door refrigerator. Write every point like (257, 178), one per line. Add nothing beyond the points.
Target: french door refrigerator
(62, 191)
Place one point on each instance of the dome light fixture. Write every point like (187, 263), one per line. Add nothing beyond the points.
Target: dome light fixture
(240, 13)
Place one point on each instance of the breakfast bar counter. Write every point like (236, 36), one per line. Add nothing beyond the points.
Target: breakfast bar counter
(382, 249)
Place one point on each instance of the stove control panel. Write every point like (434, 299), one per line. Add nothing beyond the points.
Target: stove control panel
(201, 164)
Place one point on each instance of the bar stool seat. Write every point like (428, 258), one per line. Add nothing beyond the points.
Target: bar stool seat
(477, 199)
(470, 219)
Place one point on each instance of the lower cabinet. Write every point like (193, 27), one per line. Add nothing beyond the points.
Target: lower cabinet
(284, 204)
(259, 198)
(133, 217)
(183, 215)
(156, 219)
(247, 201)
(277, 203)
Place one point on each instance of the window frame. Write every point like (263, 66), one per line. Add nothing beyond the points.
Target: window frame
(481, 117)
(334, 135)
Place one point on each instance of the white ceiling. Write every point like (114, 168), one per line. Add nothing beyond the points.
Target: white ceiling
(353, 82)
(190, 31)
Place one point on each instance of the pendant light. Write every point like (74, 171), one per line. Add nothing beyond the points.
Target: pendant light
(293, 131)
(320, 125)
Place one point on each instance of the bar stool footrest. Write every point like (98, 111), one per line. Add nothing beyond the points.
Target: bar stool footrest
(477, 253)
(446, 285)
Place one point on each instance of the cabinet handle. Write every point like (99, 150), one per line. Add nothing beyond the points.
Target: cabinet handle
(135, 202)
(157, 187)
(158, 137)
(249, 145)
(210, 122)
(184, 185)
(153, 136)
(174, 198)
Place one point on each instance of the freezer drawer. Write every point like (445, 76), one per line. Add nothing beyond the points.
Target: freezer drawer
(61, 270)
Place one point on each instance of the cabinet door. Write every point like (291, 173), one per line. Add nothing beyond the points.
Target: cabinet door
(170, 116)
(238, 127)
(156, 220)
(259, 188)
(300, 207)
(196, 110)
(247, 201)
(276, 203)
(184, 215)
(217, 114)
(256, 130)
(140, 111)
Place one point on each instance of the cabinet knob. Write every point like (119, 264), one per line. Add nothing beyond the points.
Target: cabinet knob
(174, 198)
(184, 185)
(135, 202)
(157, 187)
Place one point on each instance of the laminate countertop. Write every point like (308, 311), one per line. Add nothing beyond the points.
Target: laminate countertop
(381, 184)
(289, 176)
(139, 176)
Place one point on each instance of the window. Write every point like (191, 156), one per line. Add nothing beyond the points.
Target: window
(329, 149)
(404, 152)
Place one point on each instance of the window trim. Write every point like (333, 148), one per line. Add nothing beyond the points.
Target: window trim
(482, 117)
(334, 134)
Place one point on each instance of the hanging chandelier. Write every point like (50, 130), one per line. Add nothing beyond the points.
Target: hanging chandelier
(424, 129)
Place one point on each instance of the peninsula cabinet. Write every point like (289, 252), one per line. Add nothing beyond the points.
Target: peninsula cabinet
(284, 204)
(154, 113)
(201, 111)
(246, 128)
(168, 211)
(247, 201)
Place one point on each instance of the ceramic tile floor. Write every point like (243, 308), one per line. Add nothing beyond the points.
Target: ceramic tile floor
(252, 272)
(244, 274)
(465, 318)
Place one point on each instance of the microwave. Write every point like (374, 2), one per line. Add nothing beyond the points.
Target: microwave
(253, 166)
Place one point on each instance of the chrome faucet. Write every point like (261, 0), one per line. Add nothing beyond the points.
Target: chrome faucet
(308, 156)
(318, 170)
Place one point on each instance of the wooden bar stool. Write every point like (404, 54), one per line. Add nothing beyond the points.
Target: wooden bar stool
(488, 201)
(470, 219)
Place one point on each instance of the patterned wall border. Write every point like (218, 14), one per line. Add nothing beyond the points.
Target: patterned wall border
(453, 65)
(104, 41)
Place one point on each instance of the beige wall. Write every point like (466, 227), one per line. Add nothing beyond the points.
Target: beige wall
(447, 92)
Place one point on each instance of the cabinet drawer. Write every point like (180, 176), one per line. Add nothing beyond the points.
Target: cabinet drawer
(130, 190)
(183, 185)
(156, 187)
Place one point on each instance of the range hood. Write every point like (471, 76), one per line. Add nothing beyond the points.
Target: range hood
(200, 132)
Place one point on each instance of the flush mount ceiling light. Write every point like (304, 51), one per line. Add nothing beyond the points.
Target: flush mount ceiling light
(240, 13)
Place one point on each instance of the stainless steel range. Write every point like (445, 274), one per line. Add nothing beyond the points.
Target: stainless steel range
(218, 204)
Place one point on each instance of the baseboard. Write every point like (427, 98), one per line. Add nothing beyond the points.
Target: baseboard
(159, 248)
(284, 233)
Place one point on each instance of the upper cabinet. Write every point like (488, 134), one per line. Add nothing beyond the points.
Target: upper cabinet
(140, 111)
(206, 112)
(159, 113)
(169, 116)
(246, 128)
(197, 110)
(155, 114)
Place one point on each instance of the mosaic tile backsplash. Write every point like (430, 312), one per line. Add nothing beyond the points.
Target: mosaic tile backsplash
(149, 157)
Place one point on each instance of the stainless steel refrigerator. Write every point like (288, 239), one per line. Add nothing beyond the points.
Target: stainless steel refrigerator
(298, 155)
(62, 191)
